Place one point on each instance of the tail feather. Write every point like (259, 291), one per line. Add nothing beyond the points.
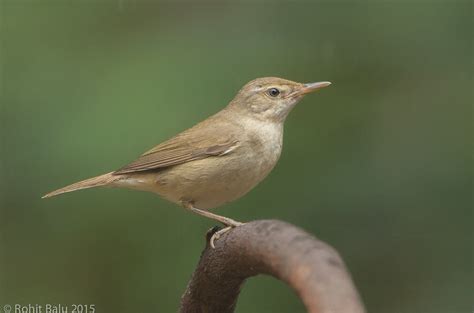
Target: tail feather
(97, 181)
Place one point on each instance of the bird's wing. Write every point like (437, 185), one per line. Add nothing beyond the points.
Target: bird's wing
(185, 147)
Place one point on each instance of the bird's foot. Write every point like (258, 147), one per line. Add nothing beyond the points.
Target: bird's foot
(219, 233)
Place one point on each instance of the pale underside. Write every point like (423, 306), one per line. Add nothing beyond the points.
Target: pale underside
(211, 167)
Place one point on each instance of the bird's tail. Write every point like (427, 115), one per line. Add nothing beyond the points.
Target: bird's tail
(97, 181)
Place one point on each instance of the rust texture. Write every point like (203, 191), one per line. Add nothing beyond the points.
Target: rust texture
(312, 268)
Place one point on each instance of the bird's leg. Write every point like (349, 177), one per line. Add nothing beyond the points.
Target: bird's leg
(224, 220)
(230, 223)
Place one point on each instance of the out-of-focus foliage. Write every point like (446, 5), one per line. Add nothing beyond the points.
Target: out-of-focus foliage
(378, 165)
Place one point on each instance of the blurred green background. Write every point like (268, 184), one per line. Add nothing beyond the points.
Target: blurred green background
(378, 165)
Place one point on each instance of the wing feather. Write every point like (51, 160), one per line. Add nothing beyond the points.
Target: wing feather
(180, 149)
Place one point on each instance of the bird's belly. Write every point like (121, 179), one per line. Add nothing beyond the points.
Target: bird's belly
(211, 185)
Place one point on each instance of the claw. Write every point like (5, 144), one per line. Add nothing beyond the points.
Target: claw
(219, 233)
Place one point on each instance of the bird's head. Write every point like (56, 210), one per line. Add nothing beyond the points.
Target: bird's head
(272, 98)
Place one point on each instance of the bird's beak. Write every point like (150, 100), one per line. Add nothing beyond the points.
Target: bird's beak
(310, 87)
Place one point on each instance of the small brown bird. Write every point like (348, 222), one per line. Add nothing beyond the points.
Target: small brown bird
(218, 160)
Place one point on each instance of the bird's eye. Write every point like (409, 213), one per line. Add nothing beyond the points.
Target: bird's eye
(274, 92)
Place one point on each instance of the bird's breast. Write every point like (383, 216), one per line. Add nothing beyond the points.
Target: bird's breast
(264, 144)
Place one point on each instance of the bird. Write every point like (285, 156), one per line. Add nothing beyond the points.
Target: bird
(219, 159)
